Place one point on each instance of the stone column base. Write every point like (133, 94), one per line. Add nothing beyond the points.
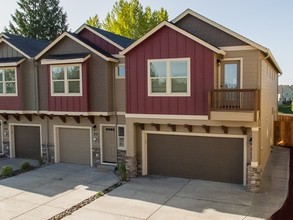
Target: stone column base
(254, 178)
(131, 166)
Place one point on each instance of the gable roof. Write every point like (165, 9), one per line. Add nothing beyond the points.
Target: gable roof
(28, 47)
(175, 28)
(114, 39)
(90, 46)
(230, 32)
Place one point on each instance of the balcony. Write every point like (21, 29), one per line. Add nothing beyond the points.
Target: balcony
(234, 104)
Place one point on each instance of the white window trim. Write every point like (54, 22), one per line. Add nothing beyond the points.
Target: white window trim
(117, 72)
(66, 81)
(168, 78)
(117, 130)
(4, 94)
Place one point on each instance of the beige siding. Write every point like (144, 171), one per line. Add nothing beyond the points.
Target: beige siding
(269, 98)
(120, 94)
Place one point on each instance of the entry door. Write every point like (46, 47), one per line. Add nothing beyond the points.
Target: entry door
(109, 145)
(230, 81)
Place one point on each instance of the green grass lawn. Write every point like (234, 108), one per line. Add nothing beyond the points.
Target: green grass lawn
(285, 109)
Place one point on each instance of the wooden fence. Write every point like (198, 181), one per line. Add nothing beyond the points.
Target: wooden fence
(284, 131)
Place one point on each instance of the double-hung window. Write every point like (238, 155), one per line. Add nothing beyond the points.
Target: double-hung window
(8, 81)
(169, 77)
(66, 80)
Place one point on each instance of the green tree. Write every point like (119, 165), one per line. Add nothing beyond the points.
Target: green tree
(130, 19)
(94, 21)
(39, 19)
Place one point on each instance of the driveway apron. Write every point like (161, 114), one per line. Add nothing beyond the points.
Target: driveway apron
(47, 191)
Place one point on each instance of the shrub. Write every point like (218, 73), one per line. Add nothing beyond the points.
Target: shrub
(25, 166)
(122, 172)
(7, 171)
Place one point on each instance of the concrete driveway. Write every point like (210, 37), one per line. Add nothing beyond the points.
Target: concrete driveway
(165, 198)
(47, 191)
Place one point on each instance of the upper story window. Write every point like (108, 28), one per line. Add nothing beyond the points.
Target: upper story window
(66, 80)
(120, 71)
(169, 77)
(8, 81)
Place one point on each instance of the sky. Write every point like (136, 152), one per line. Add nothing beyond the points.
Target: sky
(267, 22)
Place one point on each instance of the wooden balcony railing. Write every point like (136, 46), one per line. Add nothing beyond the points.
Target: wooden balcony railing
(234, 100)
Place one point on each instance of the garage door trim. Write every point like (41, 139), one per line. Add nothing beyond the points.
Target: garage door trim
(144, 147)
(56, 140)
(11, 137)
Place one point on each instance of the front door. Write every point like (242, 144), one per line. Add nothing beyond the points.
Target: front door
(109, 145)
(230, 82)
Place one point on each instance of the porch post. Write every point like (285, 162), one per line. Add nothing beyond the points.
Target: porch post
(254, 169)
(130, 158)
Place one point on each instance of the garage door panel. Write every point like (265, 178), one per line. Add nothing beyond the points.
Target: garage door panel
(27, 142)
(208, 158)
(74, 146)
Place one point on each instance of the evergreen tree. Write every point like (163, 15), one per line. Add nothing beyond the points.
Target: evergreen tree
(38, 19)
(130, 19)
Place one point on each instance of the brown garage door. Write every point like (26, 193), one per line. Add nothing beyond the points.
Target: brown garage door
(27, 142)
(206, 158)
(74, 145)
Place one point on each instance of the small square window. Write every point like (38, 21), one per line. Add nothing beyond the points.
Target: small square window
(120, 71)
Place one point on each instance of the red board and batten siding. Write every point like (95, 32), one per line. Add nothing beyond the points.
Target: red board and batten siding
(103, 44)
(167, 43)
(13, 102)
(71, 103)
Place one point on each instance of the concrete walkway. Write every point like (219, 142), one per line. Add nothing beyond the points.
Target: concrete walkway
(160, 198)
(47, 191)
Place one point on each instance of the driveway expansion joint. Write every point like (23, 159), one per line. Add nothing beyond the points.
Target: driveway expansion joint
(173, 195)
(85, 202)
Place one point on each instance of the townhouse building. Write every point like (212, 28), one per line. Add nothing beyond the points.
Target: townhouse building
(189, 99)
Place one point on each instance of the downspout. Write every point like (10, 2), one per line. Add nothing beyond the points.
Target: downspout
(115, 108)
(36, 67)
(37, 89)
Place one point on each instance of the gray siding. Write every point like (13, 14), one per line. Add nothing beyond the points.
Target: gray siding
(120, 94)
(43, 87)
(208, 33)
(67, 46)
(100, 84)
(26, 78)
(28, 82)
(7, 51)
